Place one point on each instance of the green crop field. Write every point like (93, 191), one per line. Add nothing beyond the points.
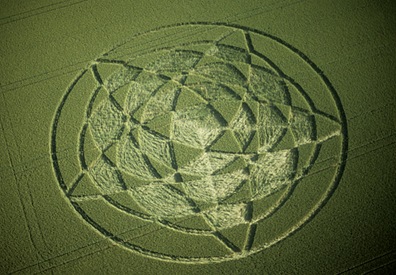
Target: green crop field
(197, 137)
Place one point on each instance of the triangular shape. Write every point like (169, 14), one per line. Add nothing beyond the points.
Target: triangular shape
(286, 141)
(242, 194)
(91, 151)
(126, 199)
(193, 222)
(297, 99)
(305, 153)
(161, 124)
(240, 91)
(230, 54)
(259, 62)
(86, 187)
(236, 39)
(208, 59)
(326, 127)
(111, 153)
(139, 113)
(244, 68)
(227, 143)
(121, 94)
(302, 125)
(132, 182)
(227, 108)
(107, 69)
(237, 164)
(285, 110)
(185, 154)
(236, 234)
(188, 98)
(254, 106)
(161, 168)
(254, 144)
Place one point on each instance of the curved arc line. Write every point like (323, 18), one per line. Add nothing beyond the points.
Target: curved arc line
(54, 130)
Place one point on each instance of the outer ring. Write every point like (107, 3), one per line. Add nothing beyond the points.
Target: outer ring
(327, 195)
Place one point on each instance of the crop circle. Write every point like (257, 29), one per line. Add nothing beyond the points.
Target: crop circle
(199, 142)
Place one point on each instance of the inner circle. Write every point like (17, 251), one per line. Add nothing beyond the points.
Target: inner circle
(196, 131)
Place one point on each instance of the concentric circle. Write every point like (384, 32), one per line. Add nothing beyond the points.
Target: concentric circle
(199, 142)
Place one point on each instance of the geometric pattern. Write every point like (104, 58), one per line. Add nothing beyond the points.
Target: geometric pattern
(201, 131)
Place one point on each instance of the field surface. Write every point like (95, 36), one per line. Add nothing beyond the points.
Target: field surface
(197, 137)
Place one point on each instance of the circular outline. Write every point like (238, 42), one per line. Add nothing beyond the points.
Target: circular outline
(309, 216)
(286, 191)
